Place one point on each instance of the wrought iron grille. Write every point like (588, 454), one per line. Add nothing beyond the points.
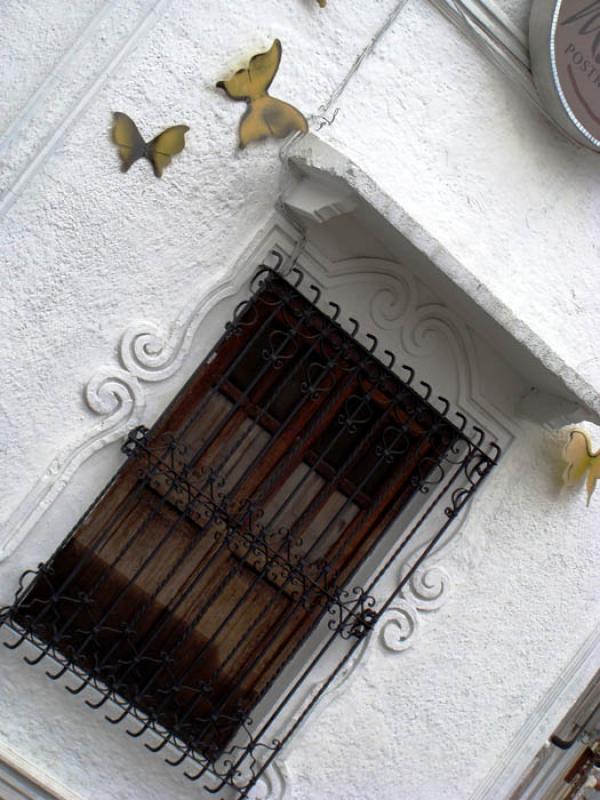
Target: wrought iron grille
(245, 545)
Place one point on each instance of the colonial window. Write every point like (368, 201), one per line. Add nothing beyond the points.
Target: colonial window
(246, 542)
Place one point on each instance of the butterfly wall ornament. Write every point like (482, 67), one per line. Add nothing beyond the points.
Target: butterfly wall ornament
(132, 146)
(580, 459)
(265, 116)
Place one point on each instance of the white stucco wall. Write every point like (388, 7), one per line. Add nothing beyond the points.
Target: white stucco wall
(86, 250)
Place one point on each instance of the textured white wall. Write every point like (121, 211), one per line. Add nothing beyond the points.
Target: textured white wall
(86, 250)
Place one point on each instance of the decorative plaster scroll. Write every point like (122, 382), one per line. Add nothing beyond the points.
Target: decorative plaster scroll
(426, 591)
(103, 72)
(113, 394)
(415, 330)
(273, 784)
(429, 586)
(400, 626)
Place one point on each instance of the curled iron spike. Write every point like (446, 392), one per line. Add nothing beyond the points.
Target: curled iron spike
(256, 278)
(317, 292)
(79, 689)
(196, 777)
(99, 704)
(16, 644)
(175, 762)
(428, 389)
(279, 258)
(497, 451)
(392, 358)
(33, 661)
(117, 720)
(411, 374)
(374, 340)
(56, 675)
(446, 405)
(156, 748)
(336, 310)
(463, 420)
(300, 276)
(137, 734)
(66, 686)
(355, 324)
(236, 312)
(481, 435)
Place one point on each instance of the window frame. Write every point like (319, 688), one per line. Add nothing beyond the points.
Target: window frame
(349, 630)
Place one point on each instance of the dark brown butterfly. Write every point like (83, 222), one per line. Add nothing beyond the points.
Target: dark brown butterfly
(158, 151)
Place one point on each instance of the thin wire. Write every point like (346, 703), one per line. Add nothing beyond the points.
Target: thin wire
(383, 29)
(325, 117)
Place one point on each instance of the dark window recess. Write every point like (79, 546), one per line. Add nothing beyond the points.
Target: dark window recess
(235, 531)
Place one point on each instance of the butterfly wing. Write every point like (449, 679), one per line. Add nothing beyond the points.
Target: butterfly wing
(282, 118)
(252, 83)
(268, 116)
(253, 127)
(166, 145)
(593, 476)
(128, 139)
(577, 454)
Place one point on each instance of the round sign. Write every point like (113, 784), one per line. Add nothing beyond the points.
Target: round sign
(565, 59)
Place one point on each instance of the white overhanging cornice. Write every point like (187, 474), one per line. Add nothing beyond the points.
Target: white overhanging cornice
(328, 184)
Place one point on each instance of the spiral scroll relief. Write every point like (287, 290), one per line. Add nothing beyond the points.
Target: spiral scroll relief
(427, 590)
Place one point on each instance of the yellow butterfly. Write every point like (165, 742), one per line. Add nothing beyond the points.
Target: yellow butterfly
(265, 116)
(158, 151)
(579, 457)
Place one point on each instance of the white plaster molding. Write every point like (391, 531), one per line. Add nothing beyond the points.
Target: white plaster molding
(117, 397)
(529, 741)
(486, 19)
(507, 47)
(58, 73)
(412, 329)
(152, 352)
(493, 33)
(100, 75)
(273, 784)
(320, 201)
(543, 367)
(394, 309)
(22, 780)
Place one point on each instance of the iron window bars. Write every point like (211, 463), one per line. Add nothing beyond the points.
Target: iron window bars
(244, 546)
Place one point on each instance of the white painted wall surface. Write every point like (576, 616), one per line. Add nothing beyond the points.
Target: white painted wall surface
(86, 250)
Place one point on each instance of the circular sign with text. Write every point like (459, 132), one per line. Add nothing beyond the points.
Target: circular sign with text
(565, 59)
